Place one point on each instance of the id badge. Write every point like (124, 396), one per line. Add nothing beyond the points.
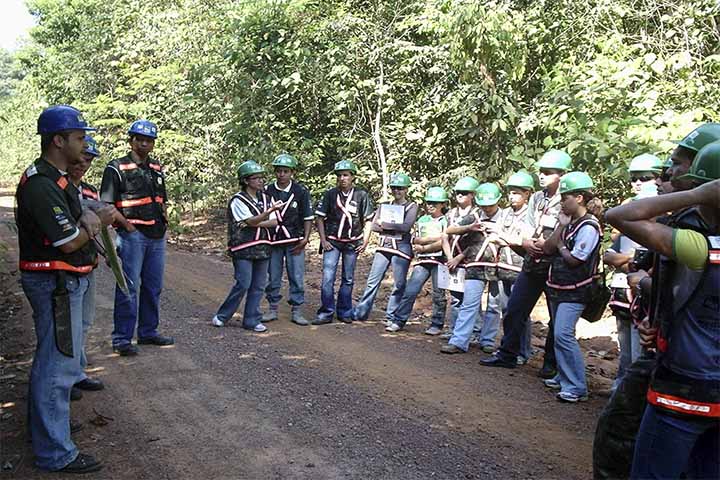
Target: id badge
(548, 221)
(352, 206)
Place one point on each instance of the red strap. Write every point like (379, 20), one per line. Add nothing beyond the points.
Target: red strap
(54, 265)
(137, 221)
(683, 405)
(128, 166)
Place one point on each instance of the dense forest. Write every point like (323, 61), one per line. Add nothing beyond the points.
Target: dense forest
(435, 88)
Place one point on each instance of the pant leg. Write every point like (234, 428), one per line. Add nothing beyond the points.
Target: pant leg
(88, 316)
(275, 271)
(52, 374)
(549, 356)
(380, 264)
(456, 299)
(296, 277)
(468, 314)
(344, 301)
(418, 277)
(704, 459)
(258, 280)
(327, 289)
(130, 249)
(525, 294)
(151, 284)
(570, 361)
(400, 267)
(624, 325)
(243, 278)
(439, 299)
(496, 305)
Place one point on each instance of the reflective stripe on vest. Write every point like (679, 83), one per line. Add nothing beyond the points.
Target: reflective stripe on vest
(346, 217)
(89, 193)
(251, 205)
(683, 405)
(53, 265)
(280, 227)
(139, 201)
(394, 251)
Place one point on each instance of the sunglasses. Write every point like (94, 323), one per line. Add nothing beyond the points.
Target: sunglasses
(433, 204)
(462, 192)
(397, 188)
(545, 171)
(644, 178)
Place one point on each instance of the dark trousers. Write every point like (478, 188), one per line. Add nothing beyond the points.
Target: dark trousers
(525, 294)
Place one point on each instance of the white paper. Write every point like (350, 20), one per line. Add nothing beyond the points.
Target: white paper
(443, 277)
(392, 213)
(619, 280)
(454, 281)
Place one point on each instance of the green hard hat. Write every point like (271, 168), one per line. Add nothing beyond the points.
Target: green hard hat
(574, 181)
(436, 194)
(706, 166)
(555, 159)
(646, 163)
(521, 179)
(701, 136)
(345, 165)
(487, 194)
(248, 168)
(466, 184)
(285, 160)
(400, 180)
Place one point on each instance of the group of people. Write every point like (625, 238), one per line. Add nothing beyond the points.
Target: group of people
(546, 240)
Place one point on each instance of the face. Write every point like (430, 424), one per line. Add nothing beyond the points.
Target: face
(434, 209)
(570, 203)
(256, 181)
(344, 179)
(464, 198)
(77, 170)
(681, 162)
(638, 179)
(663, 183)
(518, 197)
(489, 210)
(283, 175)
(142, 145)
(71, 146)
(549, 177)
(399, 193)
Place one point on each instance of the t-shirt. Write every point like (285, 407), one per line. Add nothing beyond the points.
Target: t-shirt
(586, 240)
(690, 248)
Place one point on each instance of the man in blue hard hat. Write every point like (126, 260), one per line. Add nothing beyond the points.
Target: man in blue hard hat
(135, 184)
(56, 254)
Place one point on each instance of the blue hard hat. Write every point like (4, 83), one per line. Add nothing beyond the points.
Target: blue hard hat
(91, 147)
(59, 118)
(143, 127)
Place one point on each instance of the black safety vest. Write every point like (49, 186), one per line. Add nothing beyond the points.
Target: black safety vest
(88, 192)
(344, 221)
(291, 225)
(245, 241)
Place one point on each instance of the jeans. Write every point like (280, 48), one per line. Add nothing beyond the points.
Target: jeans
(381, 262)
(456, 300)
(281, 257)
(524, 295)
(668, 446)
(498, 293)
(420, 274)
(331, 259)
(570, 361)
(250, 277)
(630, 348)
(88, 317)
(53, 374)
(143, 262)
(468, 314)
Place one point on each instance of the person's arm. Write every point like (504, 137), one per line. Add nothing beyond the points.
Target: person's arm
(408, 221)
(555, 244)
(618, 260)
(110, 189)
(368, 213)
(367, 230)
(433, 247)
(376, 225)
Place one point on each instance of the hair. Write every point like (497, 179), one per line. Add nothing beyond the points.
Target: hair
(593, 204)
(46, 139)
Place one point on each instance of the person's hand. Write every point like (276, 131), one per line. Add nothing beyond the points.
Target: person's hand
(647, 332)
(326, 246)
(477, 227)
(454, 262)
(534, 247)
(91, 222)
(276, 206)
(419, 248)
(106, 214)
(299, 247)
(491, 228)
(564, 220)
(361, 248)
(634, 278)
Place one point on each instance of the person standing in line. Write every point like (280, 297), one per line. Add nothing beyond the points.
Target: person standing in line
(344, 219)
(394, 249)
(427, 244)
(250, 216)
(135, 184)
(543, 210)
(288, 239)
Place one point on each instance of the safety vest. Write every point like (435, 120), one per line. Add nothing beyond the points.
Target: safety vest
(485, 260)
(245, 241)
(573, 284)
(143, 195)
(291, 224)
(427, 226)
(88, 192)
(458, 243)
(396, 243)
(344, 222)
(545, 211)
(509, 262)
(36, 250)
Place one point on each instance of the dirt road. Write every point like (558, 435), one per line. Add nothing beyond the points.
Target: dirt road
(335, 401)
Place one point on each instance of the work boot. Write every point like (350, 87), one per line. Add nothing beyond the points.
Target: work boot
(297, 317)
(547, 371)
(272, 314)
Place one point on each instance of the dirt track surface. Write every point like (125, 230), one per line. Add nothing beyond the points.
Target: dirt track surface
(335, 401)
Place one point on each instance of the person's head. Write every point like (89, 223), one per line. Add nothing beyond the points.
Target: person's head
(551, 166)
(436, 199)
(684, 154)
(464, 190)
(644, 170)
(76, 170)
(706, 168)
(519, 188)
(251, 176)
(285, 166)
(487, 197)
(663, 181)
(576, 195)
(62, 131)
(399, 184)
(345, 171)
(142, 135)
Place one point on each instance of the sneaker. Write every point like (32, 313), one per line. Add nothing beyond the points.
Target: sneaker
(393, 327)
(571, 398)
(433, 330)
(521, 360)
(271, 315)
(322, 321)
(217, 322)
(387, 322)
(260, 328)
(488, 348)
(298, 319)
(451, 349)
(475, 341)
(446, 334)
(127, 350)
(551, 383)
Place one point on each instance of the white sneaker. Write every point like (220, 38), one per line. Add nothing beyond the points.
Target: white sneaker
(217, 322)
(433, 331)
(271, 315)
(393, 327)
(259, 328)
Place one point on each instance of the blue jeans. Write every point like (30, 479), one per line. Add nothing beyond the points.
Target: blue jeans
(380, 264)
(467, 314)
(280, 257)
(250, 278)
(668, 446)
(420, 274)
(53, 374)
(331, 259)
(88, 317)
(498, 295)
(570, 362)
(630, 348)
(143, 262)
